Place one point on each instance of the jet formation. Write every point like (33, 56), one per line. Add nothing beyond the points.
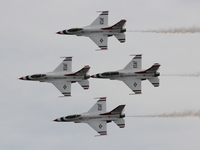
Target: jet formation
(97, 117)
(99, 31)
(132, 75)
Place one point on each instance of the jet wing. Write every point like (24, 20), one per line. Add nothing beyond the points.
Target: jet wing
(99, 106)
(99, 39)
(63, 87)
(135, 64)
(66, 65)
(99, 126)
(134, 84)
(102, 19)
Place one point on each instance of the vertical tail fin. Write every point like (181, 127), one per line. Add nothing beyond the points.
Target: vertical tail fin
(117, 110)
(81, 72)
(152, 69)
(118, 25)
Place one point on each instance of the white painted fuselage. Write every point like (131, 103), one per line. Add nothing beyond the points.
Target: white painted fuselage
(53, 76)
(88, 117)
(121, 75)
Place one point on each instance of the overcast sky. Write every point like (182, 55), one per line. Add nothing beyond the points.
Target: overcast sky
(29, 45)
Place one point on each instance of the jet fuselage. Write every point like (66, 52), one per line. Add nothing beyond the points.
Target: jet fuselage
(118, 75)
(86, 117)
(86, 31)
(54, 76)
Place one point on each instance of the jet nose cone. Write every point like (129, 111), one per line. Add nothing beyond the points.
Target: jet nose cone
(21, 78)
(58, 32)
(56, 120)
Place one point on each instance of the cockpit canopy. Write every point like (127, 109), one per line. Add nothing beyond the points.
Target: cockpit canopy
(72, 116)
(38, 75)
(75, 29)
(110, 73)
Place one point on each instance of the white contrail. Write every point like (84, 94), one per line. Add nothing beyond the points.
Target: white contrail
(186, 113)
(171, 30)
(183, 75)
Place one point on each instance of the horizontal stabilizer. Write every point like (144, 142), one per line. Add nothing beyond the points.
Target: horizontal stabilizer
(120, 122)
(84, 84)
(120, 37)
(154, 81)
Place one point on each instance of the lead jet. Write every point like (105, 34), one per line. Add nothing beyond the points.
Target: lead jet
(132, 75)
(62, 77)
(97, 117)
(99, 31)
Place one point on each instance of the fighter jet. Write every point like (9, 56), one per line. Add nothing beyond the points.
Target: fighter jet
(132, 75)
(99, 31)
(97, 117)
(62, 77)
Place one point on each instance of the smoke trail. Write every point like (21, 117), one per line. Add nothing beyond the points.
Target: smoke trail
(186, 113)
(184, 75)
(171, 30)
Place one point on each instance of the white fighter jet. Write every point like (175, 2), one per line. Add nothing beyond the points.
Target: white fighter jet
(97, 117)
(99, 31)
(62, 77)
(132, 75)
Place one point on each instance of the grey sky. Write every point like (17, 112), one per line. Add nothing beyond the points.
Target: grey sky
(28, 45)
